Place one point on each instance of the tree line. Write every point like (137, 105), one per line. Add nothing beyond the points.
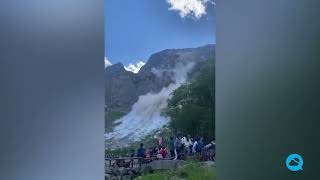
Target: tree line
(191, 107)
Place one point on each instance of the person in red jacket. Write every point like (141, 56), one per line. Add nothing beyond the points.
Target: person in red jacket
(163, 151)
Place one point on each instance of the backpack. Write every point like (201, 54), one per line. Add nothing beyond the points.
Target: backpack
(199, 146)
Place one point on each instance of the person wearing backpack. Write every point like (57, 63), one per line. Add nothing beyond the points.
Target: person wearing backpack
(199, 145)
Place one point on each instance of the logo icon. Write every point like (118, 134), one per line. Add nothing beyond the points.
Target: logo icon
(294, 162)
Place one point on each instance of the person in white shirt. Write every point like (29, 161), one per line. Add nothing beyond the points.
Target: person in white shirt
(194, 147)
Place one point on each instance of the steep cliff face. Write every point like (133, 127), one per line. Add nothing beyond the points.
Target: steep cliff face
(122, 88)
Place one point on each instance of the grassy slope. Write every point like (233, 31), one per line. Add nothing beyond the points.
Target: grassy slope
(110, 117)
(191, 171)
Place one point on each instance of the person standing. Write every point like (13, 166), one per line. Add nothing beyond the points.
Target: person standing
(195, 143)
(160, 141)
(171, 147)
(141, 152)
(199, 145)
(189, 139)
(177, 147)
(163, 152)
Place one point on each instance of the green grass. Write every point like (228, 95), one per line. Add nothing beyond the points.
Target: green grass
(155, 176)
(113, 115)
(110, 117)
(191, 171)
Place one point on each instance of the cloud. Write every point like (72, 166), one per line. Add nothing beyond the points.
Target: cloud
(134, 67)
(106, 62)
(191, 8)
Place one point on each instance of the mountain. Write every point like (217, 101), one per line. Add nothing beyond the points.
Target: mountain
(122, 88)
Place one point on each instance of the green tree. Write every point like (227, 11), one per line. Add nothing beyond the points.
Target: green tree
(191, 107)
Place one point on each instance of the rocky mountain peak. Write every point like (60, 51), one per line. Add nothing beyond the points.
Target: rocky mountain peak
(122, 88)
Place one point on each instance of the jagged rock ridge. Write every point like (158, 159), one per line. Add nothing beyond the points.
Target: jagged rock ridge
(122, 88)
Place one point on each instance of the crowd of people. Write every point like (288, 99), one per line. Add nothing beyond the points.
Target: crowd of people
(177, 148)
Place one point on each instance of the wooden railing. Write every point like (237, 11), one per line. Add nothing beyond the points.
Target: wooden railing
(129, 161)
(124, 161)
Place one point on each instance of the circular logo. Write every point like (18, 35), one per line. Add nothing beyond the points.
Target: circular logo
(294, 162)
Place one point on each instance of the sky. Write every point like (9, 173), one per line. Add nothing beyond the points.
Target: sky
(135, 29)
